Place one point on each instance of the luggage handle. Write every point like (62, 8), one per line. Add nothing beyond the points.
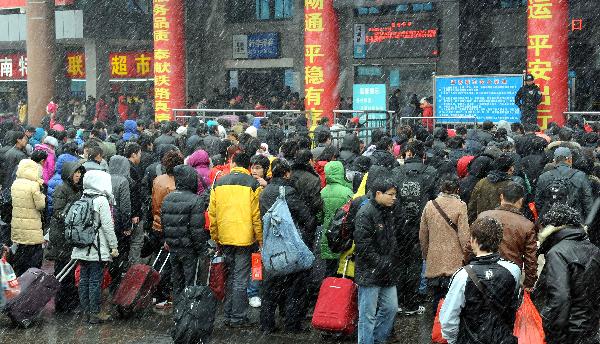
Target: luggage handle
(158, 256)
(164, 263)
(346, 265)
(65, 271)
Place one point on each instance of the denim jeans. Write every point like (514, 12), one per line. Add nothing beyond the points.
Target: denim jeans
(253, 288)
(238, 272)
(90, 279)
(377, 307)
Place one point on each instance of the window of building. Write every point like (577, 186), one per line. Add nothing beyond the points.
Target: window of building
(252, 10)
(512, 3)
(417, 7)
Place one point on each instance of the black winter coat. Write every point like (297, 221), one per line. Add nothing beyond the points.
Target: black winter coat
(481, 317)
(182, 214)
(305, 221)
(377, 253)
(9, 166)
(308, 184)
(568, 286)
(165, 139)
(63, 195)
(384, 158)
(580, 191)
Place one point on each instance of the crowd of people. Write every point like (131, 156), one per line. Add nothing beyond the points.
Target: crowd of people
(453, 214)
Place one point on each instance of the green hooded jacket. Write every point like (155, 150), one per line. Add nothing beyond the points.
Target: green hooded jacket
(335, 194)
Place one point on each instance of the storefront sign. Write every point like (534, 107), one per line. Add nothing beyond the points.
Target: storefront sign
(169, 58)
(488, 98)
(131, 65)
(396, 39)
(23, 3)
(13, 67)
(76, 65)
(370, 97)
(321, 59)
(264, 45)
(548, 56)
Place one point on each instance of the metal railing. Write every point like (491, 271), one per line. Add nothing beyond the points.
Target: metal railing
(468, 121)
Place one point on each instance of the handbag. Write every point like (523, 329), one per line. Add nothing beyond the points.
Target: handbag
(436, 331)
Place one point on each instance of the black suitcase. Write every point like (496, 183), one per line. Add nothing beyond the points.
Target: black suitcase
(37, 289)
(194, 314)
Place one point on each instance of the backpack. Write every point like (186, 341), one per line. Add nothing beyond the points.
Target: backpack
(558, 190)
(79, 222)
(340, 233)
(411, 191)
(283, 251)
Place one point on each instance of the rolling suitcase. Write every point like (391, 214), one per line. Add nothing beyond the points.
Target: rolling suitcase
(137, 287)
(336, 310)
(37, 289)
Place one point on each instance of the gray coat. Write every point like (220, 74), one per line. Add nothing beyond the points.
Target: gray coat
(120, 179)
(98, 183)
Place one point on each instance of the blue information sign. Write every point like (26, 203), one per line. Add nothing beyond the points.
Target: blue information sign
(487, 97)
(264, 45)
(370, 97)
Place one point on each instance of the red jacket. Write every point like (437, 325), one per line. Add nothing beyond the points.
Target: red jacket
(428, 112)
(102, 111)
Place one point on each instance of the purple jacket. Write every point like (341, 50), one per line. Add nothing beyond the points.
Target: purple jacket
(200, 161)
(48, 168)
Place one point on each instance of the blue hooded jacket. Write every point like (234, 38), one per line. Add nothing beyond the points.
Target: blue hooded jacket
(37, 137)
(56, 179)
(130, 130)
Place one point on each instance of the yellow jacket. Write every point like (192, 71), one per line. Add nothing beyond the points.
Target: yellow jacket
(234, 209)
(28, 203)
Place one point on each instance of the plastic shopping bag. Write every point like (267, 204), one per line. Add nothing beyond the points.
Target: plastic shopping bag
(528, 323)
(106, 278)
(436, 332)
(217, 276)
(257, 269)
(10, 283)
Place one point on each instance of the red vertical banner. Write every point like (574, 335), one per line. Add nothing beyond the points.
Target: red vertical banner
(169, 58)
(548, 56)
(321, 59)
(75, 65)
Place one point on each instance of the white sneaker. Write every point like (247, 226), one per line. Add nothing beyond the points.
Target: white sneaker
(254, 302)
(400, 310)
(420, 310)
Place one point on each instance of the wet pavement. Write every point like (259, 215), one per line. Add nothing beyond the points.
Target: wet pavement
(153, 328)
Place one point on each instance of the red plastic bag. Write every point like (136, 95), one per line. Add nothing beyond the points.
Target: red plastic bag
(528, 323)
(257, 271)
(106, 279)
(436, 332)
(217, 276)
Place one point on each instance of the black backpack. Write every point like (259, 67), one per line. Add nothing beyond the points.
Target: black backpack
(559, 189)
(340, 233)
(411, 194)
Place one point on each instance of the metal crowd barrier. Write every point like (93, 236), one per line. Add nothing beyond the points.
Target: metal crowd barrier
(468, 121)
(368, 119)
(287, 116)
(588, 116)
(364, 134)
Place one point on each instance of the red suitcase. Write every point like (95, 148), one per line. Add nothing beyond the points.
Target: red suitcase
(337, 306)
(137, 287)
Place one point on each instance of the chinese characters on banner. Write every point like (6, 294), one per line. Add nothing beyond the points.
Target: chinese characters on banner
(131, 65)
(321, 59)
(548, 56)
(13, 67)
(169, 58)
(75, 65)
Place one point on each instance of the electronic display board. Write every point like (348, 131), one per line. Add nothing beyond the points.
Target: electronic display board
(408, 38)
